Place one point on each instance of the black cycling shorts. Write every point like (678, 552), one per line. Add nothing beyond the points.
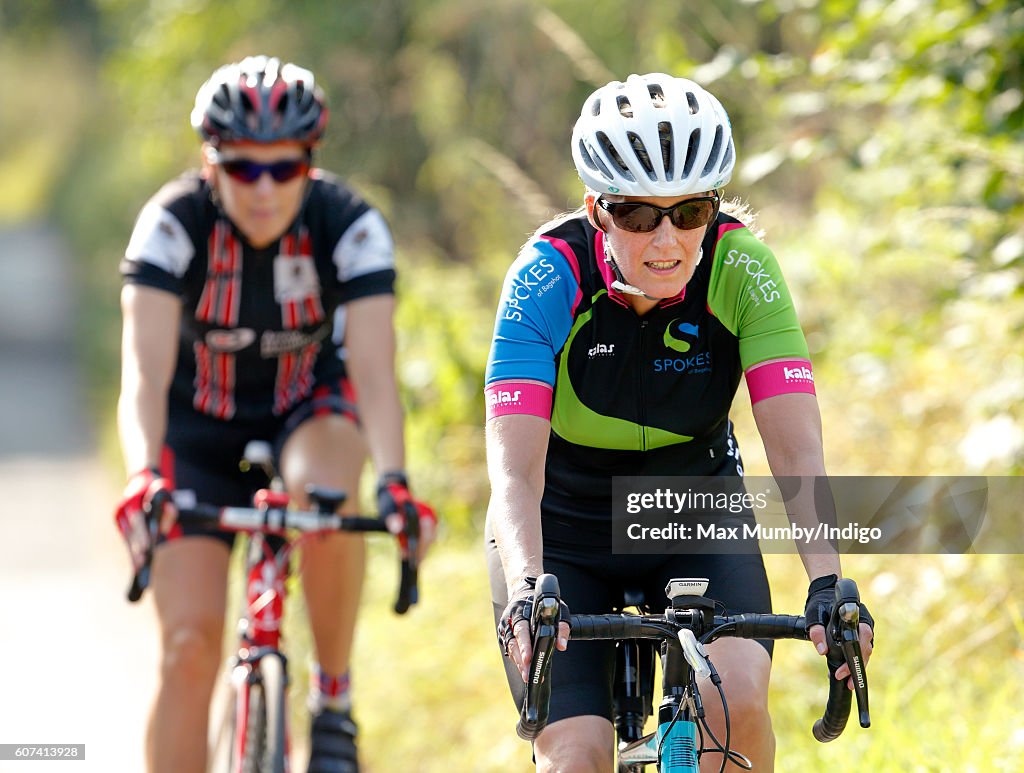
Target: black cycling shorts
(201, 454)
(594, 582)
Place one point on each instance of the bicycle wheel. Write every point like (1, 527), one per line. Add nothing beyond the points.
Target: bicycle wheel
(223, 736)
(274, 683)
(255, 741)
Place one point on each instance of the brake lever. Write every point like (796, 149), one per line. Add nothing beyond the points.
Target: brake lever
(408, 592)
(844, 633)
(152, 511)
(544, 619)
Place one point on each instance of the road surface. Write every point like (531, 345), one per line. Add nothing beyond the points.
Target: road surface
(77, 662)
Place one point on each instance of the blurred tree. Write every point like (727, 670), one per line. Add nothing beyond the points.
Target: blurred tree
(882, 143)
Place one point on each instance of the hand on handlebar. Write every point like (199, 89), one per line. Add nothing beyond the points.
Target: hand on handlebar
(132, 510)
(515, 637)
(396, 505)
(818, 612)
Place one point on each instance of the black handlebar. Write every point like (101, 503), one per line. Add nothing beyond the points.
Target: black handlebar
(844, 647)
(276, 520)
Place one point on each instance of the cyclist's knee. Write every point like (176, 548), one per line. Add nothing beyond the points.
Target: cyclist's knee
(328, 451)
(191, 656)
(576, 745)
(748, 708)
(575, 758)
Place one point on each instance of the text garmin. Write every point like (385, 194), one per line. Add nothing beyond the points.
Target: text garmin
(524, 285)
(755, 270)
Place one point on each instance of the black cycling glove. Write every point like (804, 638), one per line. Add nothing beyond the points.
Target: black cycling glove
(821, 597)
(520, 607)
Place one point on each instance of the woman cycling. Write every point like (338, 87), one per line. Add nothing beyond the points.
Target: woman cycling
(234, 282)
(649, 271)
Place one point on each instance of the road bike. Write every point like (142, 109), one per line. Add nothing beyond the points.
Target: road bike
(689, 623)
(253, 736)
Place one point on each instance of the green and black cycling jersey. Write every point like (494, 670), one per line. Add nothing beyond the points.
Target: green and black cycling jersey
(630, 394)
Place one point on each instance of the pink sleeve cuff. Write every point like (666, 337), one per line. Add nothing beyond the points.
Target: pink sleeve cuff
(779, 377)
(532, 398)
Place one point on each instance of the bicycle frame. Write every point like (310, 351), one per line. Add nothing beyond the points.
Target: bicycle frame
(259, 638)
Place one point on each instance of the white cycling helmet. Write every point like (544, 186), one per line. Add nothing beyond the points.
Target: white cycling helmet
(654, 135)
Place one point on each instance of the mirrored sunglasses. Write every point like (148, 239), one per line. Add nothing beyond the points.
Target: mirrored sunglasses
(247, 171)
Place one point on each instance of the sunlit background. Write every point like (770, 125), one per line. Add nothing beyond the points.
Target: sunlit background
(881, 143)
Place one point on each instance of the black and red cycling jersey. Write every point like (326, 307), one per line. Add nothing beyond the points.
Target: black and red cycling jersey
(259, 327)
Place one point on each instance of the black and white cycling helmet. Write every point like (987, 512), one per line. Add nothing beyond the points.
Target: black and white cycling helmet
(260, 100)
(654, 135)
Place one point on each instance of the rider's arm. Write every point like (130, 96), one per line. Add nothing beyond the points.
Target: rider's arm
(516, 449)
(157, 257)
(364, 258)
(749, 295)
(370, 347)
(532, 324)
(790, 428)
(149, 346)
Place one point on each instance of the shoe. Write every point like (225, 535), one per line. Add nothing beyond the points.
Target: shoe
(333, 744)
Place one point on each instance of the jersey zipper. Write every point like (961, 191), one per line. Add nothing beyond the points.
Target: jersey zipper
(643, 391)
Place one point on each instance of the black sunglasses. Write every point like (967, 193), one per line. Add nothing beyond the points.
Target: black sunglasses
(638, 217)
(247, 171)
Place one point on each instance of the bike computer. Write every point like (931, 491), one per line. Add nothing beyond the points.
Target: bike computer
(691, 586)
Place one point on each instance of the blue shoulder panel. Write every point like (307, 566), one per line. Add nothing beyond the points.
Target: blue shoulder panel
(534, 317)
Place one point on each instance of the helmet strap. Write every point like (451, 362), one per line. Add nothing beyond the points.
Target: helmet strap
(621, 285)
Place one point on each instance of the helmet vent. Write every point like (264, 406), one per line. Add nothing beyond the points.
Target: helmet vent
(625, 108)
(657, 95)
(727, 157)
(595, 108)
(641, 153)
(716, 148)
(613, 156)
(223, 95)
(691, 153)
(594, 162)
(667, 146)
(691, 100)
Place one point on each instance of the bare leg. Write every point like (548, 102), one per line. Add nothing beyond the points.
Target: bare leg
(745, 669)
(189, 588)
(329, 451)
(576, 745)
